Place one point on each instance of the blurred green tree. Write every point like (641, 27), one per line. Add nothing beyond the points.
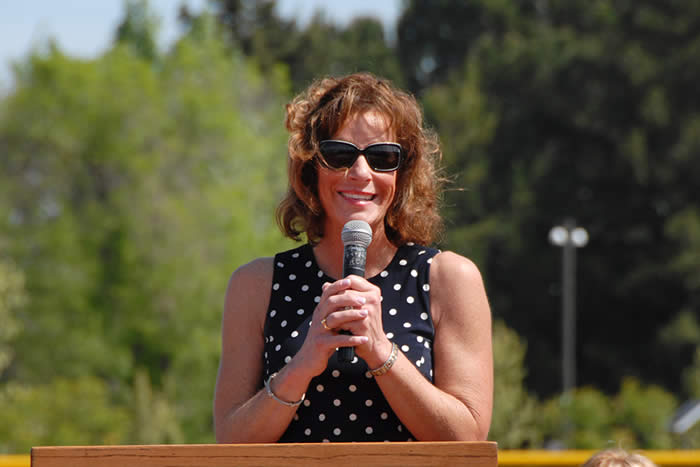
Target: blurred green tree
(573, 110)
(582, 419)
(644, 411)
(138, 29)
(64, 411)
(515, 411)
(691, 380)
(130, 193)
(435, 38)
(308, 51)
(12, 297)
(636, 417)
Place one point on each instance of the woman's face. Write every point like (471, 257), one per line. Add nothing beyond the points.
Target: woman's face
(358, 193)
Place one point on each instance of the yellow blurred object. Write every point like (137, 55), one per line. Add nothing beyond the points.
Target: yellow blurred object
(536, 458)
(576, 458)
(15, 460)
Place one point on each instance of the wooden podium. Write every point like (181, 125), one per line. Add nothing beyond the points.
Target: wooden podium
(477, 454)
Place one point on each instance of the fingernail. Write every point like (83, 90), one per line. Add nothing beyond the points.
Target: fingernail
(363, 312)
(364, 339)
(362, 300)
(345, 282)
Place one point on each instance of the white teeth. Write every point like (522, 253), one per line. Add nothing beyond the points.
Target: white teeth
(356, 196)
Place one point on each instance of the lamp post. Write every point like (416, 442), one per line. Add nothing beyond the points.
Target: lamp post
(569, 237)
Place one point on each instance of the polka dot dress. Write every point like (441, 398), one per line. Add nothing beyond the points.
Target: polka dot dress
(344, 403)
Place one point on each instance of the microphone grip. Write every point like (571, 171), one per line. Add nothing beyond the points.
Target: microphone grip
(354, 258)
(346, 354)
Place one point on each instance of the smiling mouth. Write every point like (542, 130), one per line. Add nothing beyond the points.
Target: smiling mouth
(356, 196)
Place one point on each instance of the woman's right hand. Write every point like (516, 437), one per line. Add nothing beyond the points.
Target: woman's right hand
(321, 341)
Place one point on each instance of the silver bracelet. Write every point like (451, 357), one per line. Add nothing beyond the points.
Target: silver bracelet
(389, 361)
(272, 394)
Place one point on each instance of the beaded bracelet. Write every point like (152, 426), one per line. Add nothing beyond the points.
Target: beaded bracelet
(389, 361)
(272, 394)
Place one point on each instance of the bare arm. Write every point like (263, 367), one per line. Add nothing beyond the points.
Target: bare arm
(458, 406)
(242, 411)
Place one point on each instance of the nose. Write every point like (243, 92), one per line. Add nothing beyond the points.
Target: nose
(360, 169)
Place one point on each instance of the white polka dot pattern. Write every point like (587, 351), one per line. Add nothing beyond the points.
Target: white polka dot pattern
(344, 403)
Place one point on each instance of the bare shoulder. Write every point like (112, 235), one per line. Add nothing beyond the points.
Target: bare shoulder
(451, 267)
(248, 289)
(456, 287)
(252, 272)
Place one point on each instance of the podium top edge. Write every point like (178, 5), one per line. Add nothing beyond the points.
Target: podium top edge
(493, 444)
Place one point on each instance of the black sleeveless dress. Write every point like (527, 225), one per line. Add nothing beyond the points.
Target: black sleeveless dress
(344, 403)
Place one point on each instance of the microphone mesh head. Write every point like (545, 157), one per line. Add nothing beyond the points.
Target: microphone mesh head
(357, 233)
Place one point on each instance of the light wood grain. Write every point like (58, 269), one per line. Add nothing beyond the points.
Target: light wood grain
(477, 454)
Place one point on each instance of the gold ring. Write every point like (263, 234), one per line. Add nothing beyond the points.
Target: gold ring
(323, 321)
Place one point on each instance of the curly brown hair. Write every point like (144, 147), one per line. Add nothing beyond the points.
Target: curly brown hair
(319, 113)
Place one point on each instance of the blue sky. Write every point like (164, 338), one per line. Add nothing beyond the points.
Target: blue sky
(84, 28)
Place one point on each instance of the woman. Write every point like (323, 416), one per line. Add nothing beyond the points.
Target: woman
(420, 325)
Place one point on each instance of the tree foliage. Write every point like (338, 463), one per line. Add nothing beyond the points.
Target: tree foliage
(308, 51)
(637, 416)
(514, 420)
(12, 297)
(578, 110)
(130, 191)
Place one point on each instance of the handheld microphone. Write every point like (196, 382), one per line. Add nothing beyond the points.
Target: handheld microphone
(356, 236)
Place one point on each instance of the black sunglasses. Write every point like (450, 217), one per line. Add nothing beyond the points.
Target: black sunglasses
(381, 157)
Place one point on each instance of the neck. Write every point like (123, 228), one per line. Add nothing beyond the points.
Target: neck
(329, 253)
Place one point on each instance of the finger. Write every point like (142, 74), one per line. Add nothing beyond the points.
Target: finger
(338, 319)
(327, 290)
(324, 323)
(345, 300)
(333, 288)
(347, 340)
(360, 284)
(366, 288)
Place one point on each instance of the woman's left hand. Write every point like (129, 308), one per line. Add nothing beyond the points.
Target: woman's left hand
(378, 348)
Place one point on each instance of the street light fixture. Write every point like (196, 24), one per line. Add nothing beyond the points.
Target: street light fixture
(569, 237)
